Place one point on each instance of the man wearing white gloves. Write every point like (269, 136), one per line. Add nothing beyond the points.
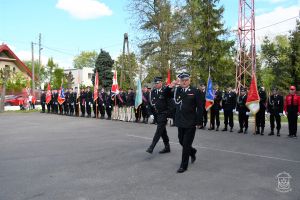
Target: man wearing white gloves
(275, 108)
(243, 111)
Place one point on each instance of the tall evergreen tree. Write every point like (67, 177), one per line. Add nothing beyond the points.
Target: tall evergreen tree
(204, 37)
(157, 21)
(104, 65)
(294, 69)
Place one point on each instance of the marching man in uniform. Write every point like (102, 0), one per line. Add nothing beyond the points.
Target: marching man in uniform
(189, 108)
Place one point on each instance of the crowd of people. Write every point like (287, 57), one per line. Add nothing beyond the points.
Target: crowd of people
(182, 103)
(121, 107)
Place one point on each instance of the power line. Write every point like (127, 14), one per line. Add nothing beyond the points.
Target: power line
(276, 23)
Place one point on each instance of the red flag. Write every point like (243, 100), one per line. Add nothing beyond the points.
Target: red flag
(253, 97)
(115, 87)
(96, 86)
(48, 94)
(169, 77)
(61, 95)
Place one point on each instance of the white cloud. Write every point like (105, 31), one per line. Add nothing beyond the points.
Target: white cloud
(272, 1)
(279, 14)
(84, 9)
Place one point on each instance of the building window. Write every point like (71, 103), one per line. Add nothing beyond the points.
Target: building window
(90, 75)
(14, 69)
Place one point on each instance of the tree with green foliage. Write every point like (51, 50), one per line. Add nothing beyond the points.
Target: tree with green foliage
(40, 72)
(128, 66)
(158, 21)
(17, 82)
(5, 75)
(294, 69)
(104, 66)
(204, 35)
(275, 60)
(85, 59)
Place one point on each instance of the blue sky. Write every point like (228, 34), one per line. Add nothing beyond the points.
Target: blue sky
(71, 26)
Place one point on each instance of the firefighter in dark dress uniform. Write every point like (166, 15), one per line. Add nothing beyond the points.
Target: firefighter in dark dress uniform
(82, 101)
(72, 101)
(145, 105)
(243, 111)
(188, 115)
(43, 101)
(228, 104)
(215, 109)
(102, 97)
(260, 115)
(159, 102)
(275, 108)
(89, 101)
(203, 123)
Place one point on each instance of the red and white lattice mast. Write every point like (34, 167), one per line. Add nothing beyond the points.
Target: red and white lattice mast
(246, 53)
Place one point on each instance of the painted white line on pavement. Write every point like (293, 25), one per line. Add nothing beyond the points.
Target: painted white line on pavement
(227, 151)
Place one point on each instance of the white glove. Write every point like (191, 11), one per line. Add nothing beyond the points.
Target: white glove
(247, 113)
(281, 114)
(109, 106)
(237, 112)
(151, 117)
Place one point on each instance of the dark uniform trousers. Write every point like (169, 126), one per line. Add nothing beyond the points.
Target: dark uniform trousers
(292, 119)
(96, 110)
(49, 107)
(214, 117)
(161, 131)
(186, 137)
(82, 107)
(243, 119)
(88, 108)
(228, 118)
(204, 116)
(260, 118)
(43, 106)
(275, 117)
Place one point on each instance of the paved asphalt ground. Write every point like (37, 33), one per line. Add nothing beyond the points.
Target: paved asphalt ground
(51, 157)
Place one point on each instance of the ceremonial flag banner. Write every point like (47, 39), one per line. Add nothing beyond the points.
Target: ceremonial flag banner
(139, 95)
(48, 94)
(115, 87)
(78, 91)
(209, 96)
(169, 77)
(96, 86)
(253, 97)
(61, 96)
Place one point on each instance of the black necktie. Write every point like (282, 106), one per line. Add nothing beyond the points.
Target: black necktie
(292, 100)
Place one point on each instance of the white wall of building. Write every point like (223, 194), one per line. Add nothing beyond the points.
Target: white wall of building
(81, 76)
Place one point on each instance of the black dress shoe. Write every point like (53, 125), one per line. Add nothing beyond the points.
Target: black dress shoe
(193, 158)
(224, 129)
(181, 170)
(165, 150)
(149, 150)
(231, 130)
(210, 129)
(240, 131)
(217, 129)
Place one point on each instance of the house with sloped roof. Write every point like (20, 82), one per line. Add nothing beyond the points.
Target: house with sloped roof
(9, 59)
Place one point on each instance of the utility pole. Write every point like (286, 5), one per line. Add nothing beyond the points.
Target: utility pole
(126, 41)
(40, 49)
(32, 66)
